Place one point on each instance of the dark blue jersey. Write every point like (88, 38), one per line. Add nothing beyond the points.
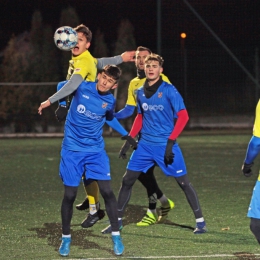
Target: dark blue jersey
(86, 118)
(158, 113)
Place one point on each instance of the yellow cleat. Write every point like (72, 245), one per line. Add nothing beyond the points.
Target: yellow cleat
(163, 211)
(147, 220)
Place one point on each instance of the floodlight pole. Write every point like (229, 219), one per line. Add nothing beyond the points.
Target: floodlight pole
(159, 27)
(257, 74)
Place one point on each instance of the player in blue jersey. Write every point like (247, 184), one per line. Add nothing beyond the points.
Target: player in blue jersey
(148, 180)
(83, 67)
(254, 211)
(83, 147)
(158, 102)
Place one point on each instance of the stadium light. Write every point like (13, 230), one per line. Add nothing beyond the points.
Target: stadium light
(184, 57)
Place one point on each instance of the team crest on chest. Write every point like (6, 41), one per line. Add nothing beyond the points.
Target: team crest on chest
(104, 105)
(160, 94)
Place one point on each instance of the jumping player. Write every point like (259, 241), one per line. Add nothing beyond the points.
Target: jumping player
(83, 147)
(83, 67)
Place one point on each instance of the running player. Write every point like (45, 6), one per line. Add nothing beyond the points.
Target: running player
(148, 180)
(158, 103)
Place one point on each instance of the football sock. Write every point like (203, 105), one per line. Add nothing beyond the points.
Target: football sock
(152, 201)
(66, 235)
(153, 211)
(115, 233)
(255, 228)
(164, 201)
(92, 208)
(92, 190)
(69, 197)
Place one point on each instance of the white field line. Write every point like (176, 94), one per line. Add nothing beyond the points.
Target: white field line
(169, 257)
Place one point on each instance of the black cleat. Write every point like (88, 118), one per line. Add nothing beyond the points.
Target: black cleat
(91, 220)
(84, 205)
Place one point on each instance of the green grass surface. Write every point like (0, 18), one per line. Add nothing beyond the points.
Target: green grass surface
(31, 194)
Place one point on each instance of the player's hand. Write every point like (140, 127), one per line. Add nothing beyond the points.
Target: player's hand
(128, 56)
(43, 105)
(246, 169)
(61, 112)
(169, 155)
(123, 150)
(131, 141)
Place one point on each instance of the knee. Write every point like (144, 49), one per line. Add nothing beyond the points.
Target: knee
(130, 177)
(70, 194)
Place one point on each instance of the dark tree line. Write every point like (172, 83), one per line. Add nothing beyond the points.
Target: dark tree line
(32, 57)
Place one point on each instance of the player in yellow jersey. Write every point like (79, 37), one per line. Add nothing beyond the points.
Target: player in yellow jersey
(83, 67)
(253, 148)
(148, 180)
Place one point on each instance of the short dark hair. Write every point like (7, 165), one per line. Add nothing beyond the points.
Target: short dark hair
(85, 30)
(141, 48)
(154, 57)
(112, 71)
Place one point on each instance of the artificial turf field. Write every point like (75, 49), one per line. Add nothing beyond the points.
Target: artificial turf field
(31, 194)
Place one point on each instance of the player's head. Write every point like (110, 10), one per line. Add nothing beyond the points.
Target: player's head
(140, 55)
(108, 78)
(153, 67)
(84, 39)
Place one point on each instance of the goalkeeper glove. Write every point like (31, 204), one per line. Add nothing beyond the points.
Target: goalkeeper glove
(61, 113)
(169, 155)
(246, 169)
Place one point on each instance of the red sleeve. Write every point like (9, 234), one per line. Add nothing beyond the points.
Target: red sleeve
(182, 120)
(137, 125)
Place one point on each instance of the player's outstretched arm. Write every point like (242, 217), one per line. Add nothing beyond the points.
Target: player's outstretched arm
(127, 56)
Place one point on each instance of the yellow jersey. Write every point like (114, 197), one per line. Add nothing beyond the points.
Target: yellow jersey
(135, 84)
(85, 65)
(256, 129)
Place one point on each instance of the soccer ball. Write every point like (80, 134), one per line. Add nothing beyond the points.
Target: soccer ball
(65, 38)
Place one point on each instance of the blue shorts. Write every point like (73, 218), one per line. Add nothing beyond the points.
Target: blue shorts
(146, 156)
(254, 207)
(73, 164)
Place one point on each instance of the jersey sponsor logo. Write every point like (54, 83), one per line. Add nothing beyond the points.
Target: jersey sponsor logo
(147, 107)
(160, 94)
(104, 105)
(85, 96)
(82, 110)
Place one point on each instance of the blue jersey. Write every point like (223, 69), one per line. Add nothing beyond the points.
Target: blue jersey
(86, 118)
(158, 113)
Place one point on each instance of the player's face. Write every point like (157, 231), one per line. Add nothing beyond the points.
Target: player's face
(105, 83)
(139, 59)
(152, 71)
(81, 46)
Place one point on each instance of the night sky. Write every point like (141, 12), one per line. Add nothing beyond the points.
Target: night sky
(236, 22)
